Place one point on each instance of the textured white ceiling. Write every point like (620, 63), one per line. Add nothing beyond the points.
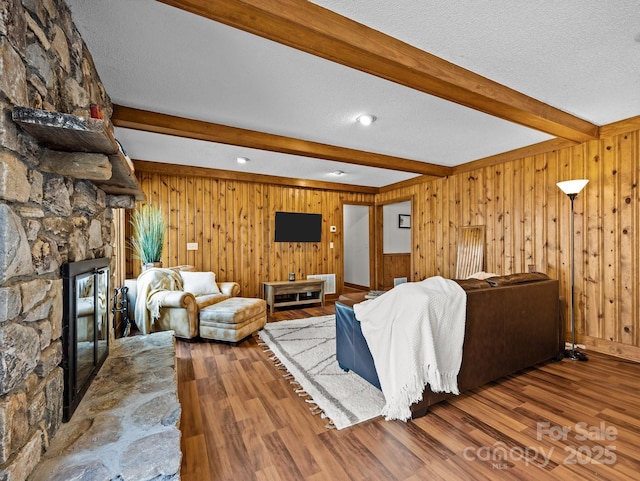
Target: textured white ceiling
(579, 56)
(175, 150)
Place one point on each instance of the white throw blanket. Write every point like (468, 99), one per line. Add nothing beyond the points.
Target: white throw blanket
(415, 333)
(156, 281)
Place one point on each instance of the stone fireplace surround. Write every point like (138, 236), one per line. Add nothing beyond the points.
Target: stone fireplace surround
(46, 219)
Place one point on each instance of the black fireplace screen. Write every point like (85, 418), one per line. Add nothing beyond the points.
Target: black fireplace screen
(85, 327)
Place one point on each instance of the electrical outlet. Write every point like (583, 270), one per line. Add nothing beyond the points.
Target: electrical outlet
(532, 267)
(333, 228)
(192, 246)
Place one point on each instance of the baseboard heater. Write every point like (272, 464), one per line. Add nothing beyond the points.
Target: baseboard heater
(329, 282)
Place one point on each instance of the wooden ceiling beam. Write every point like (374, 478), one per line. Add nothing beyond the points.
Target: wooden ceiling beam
(145, 120)
(313, 29)
(143, 166)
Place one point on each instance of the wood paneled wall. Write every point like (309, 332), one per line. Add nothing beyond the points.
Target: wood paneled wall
(395, 265)
(232, 221)
(527, 221)
(526, 217)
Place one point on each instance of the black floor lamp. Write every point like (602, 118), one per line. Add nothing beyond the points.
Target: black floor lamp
(572, 188)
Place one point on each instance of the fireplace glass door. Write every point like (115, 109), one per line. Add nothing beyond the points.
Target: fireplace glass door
(85, 326)
(91, 323)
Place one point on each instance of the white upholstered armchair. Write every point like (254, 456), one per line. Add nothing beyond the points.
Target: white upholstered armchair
(171, 299)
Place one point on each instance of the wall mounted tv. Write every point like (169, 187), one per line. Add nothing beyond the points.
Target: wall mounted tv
(298, 227)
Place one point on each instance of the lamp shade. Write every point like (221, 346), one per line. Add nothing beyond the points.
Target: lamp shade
(572, 186)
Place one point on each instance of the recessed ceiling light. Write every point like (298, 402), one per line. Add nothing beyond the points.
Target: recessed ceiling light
(366, 119)
(242, 160)
(337, 173)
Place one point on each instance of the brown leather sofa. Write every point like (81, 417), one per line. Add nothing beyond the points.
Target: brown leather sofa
(513, 322)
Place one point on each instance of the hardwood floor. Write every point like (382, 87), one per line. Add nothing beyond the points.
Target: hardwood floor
(242, 421)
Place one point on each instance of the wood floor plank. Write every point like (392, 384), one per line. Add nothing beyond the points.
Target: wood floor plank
(242, 421)
(270, 473)
(494, 416)
(195, 462)
(387, 450)
(300, 453)
(419, 441)
(184, 364)
(258, 452)
(191, 419)
(282, 459)
(355, 457)
(304, 429)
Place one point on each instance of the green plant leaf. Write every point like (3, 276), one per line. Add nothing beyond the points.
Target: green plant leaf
(149, 228)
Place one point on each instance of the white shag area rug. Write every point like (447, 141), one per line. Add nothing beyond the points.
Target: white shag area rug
(307, 349)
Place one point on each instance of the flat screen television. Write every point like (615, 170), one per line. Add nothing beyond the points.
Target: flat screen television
(298, 227)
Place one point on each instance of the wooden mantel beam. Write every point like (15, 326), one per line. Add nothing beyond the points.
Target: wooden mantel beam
(145, 120)
(313, 29)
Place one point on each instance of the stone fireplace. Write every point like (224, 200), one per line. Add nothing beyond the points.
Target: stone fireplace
(46, 220)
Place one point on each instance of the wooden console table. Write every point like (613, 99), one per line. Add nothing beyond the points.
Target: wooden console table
(293, 293)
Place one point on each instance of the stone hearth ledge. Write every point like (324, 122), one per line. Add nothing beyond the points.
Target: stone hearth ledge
(126, 427)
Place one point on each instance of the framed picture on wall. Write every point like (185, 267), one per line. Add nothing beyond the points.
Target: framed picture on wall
(404, 221)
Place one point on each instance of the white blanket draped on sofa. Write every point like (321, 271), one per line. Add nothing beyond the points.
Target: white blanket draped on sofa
(415, 334)
(153, 281)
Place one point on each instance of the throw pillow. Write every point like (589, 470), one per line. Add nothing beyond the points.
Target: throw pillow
(199, 283)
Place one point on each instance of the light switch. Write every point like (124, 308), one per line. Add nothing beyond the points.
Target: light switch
(192, 246)
(330, 245)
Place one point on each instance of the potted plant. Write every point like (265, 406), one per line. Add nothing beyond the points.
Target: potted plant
(148, 235)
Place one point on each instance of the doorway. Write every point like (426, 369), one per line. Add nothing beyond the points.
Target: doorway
(358, 234)
(394, 243)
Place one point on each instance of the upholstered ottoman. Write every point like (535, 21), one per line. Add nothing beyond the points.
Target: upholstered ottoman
(233, 319)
